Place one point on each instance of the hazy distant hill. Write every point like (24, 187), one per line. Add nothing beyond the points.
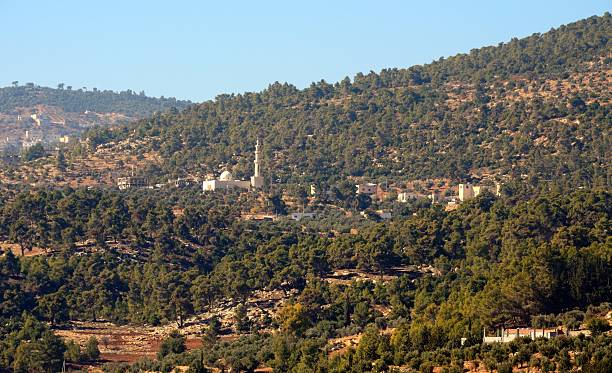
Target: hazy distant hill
(65, 111)
(79, 100)
(537, 107)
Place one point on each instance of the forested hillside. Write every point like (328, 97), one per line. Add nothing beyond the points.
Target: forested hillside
(343, 290)
(537, 106)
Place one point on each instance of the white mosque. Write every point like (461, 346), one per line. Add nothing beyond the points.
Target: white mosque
(226, 180)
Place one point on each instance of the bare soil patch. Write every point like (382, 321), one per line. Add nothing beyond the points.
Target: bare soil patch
(121, 343)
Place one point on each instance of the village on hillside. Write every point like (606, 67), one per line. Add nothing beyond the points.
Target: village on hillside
(434, 191)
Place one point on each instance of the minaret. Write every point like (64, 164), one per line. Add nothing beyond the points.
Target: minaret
(257, 159)
(257, 179)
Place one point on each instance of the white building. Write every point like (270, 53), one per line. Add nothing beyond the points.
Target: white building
(382, 214)
(179, 182)
(466, 191)
(129, 182)
(404, 197)
(469, 191)
(226, 180)
(297, 216)
(30, 140)
(508, 335)
(367, 188)
(37, 118)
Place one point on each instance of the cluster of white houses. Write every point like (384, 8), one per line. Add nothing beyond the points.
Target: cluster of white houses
(466, 192)
(40, 132)
(226, 181)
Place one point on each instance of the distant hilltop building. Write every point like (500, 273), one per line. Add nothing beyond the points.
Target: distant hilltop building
(130, 182)
(374, 191)
(179, 182)
(37, 118)
(367, 188)
(405, 197)
(469, 191)
(30, 140)
(297, 216)
(226, 180)
(381, 214)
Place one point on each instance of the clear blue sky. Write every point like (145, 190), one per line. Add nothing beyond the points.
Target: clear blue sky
(198, 49)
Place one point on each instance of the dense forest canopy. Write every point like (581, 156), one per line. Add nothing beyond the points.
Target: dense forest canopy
(563, 238)
(501, 262)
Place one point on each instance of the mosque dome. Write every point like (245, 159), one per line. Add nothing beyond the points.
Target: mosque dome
(226, 176)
